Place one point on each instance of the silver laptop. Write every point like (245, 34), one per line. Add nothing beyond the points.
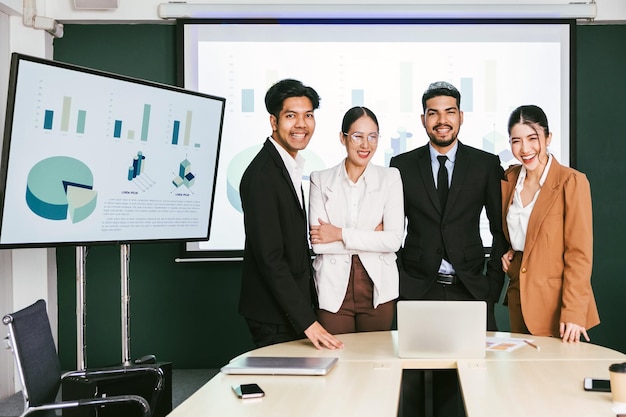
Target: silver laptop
(276, 365)
(442, 329)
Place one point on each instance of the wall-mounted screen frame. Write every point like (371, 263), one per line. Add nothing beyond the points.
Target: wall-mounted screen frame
(91, 157)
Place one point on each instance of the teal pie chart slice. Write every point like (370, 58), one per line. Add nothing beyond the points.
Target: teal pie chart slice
(60, 187)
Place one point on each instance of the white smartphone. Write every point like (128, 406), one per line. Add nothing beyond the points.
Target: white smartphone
(602, 385)
(244, 391)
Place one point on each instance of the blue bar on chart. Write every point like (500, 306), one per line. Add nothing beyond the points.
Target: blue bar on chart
(247, 100)
(467, 92)
(175, 132)
(358, 97)
(47, 119)
(137, 167)
(406, 81)
(80, 124)
(145, 122)
(117, 130)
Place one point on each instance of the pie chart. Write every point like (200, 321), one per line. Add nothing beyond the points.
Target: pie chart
(60, 187)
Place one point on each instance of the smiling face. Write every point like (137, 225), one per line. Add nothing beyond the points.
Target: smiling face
(442, 120)
(295, 124)
(529, 145)
(359, 154)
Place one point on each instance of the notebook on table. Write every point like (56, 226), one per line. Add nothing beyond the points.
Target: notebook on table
(278, 365)
(442, 329)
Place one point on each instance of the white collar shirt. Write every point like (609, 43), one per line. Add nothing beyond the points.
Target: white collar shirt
(518, 215)
(295, 168)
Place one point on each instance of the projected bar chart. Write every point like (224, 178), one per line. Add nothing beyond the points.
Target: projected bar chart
(358, 97)
(247, 100)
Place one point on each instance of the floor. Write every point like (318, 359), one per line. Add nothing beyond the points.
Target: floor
(184, 383)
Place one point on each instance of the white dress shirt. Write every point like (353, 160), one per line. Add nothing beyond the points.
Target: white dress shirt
(358, 208)
(295, 167)
(445, 267)
(518, 215)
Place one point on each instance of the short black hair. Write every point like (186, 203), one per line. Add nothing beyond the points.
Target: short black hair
(285, 89)
(441, 88)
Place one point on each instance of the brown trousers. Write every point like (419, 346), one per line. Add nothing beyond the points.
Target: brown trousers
(514, 301)
(357, 313)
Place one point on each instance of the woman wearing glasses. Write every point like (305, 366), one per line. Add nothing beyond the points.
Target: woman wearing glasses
(356, 218)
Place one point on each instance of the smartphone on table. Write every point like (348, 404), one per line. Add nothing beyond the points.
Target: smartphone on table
(244, 391)
(593, 384)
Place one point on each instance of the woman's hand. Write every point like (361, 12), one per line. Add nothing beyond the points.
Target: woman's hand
(571, 332)
(506, 259)
(325, 233)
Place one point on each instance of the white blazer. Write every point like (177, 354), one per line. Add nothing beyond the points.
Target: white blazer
(383, 202)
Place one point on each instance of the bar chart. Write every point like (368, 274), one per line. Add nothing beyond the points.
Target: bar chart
(118, 126)
(65, 117)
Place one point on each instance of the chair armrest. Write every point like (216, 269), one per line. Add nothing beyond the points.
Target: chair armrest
(95, 402)
(116, 371)
(121, 371)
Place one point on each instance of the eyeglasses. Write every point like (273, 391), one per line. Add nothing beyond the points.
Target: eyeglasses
(359, 137)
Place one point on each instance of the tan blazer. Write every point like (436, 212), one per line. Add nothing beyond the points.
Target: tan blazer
(555, 274)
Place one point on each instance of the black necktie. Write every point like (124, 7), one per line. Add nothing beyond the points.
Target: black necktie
(442, 181)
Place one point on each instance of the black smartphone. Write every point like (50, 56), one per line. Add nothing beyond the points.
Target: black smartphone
(591, 384)
(244, 391)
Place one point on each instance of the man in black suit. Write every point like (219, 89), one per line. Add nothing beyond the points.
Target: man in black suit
(443, 257)
(276, 296)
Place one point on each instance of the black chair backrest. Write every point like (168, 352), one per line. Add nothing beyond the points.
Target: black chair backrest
(38, 358)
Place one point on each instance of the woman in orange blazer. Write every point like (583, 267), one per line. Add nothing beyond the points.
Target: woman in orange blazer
(546, 210)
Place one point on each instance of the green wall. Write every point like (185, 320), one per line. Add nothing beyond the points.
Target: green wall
(187, 312)
(601, 152)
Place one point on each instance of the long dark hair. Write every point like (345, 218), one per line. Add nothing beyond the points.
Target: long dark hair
(354, 114)
(529, 114)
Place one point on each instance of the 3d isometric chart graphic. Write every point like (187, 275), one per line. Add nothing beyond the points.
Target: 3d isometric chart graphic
(60, 186)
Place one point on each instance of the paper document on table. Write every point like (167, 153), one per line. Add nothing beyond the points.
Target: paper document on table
(502, 344)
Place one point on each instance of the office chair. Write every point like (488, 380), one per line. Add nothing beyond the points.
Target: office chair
(39, 368)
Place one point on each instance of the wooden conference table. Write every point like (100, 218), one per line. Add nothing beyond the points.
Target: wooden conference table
(366, 381)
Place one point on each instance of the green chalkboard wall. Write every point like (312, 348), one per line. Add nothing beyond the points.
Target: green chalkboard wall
(601, 152)
(187, 313)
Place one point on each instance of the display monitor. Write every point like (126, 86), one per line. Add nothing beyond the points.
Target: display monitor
(384, 65)
(91, 157)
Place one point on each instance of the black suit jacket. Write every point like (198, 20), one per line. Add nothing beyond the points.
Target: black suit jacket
(276, 284)
(475, 184)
